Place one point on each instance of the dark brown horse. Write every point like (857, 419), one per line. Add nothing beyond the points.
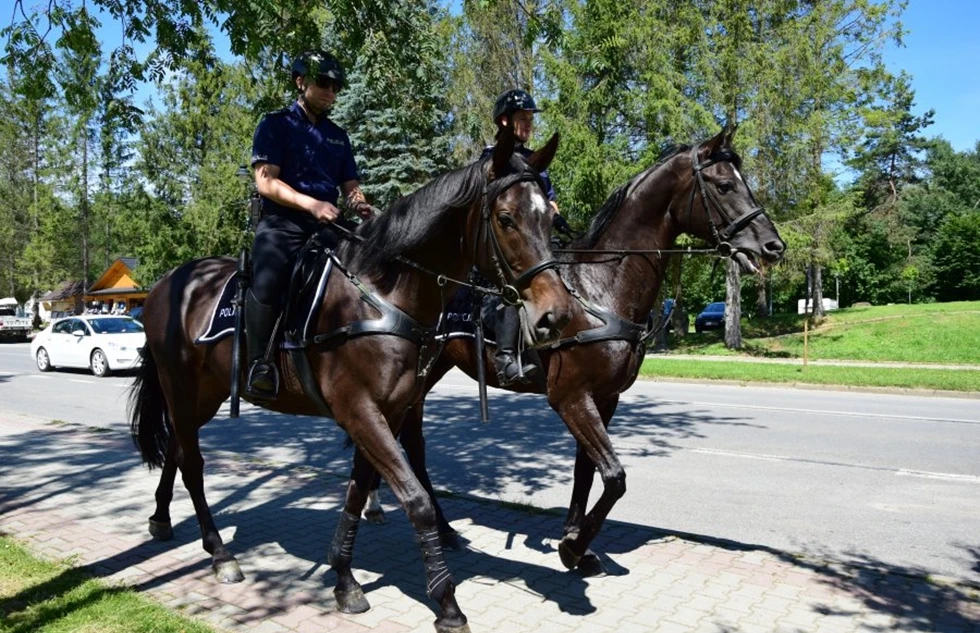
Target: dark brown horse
(696, 190)
(492, 214)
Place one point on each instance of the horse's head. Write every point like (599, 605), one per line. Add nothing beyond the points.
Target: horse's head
(722, 208)
(514, 238)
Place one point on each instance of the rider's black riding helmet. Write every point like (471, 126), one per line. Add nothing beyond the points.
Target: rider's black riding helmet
(320, 66)
(513, 101)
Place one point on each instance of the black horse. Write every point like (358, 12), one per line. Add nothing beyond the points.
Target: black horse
(695, 190)
(492, 214)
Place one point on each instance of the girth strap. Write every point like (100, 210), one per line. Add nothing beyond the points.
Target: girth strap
(613, 328)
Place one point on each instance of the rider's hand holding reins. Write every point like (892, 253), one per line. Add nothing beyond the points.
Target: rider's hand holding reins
(323, 211)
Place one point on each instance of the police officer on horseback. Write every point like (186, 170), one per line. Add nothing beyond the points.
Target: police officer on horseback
(515, 109)
(301, 158)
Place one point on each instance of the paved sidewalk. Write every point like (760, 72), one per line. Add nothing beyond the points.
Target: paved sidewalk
(71, 491)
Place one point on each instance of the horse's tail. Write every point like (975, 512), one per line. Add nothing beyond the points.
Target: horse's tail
(149, 419)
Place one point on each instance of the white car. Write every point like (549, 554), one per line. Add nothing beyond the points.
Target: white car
(101, 342)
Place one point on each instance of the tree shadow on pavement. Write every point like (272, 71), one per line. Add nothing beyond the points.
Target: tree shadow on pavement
(282, 517)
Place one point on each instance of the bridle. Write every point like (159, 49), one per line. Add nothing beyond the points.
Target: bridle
(733, 226)
(511, 283)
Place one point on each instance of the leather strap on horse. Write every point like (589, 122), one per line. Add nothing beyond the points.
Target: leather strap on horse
(511, 283)
(393, 321)
(613, 328)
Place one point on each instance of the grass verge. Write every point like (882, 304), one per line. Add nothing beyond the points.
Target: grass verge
(41, 597)
(929, 333)
(946, 380)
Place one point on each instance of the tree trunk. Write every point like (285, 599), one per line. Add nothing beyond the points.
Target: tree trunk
(733, 307)
(817, 276)
(84, 209)
(762, 297)
(678, 315)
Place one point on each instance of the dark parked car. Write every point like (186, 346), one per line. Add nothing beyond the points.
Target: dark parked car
(711, 318)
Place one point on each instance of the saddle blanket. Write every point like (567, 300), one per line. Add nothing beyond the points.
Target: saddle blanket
(305, 300)
(222, 321)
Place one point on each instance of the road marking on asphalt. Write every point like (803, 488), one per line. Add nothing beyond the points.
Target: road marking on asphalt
(84, 382)
(902, 472)
(843, 414)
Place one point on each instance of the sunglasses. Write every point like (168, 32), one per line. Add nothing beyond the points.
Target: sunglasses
(325, 82)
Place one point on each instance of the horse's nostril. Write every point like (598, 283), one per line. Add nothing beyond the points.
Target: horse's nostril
(546, 322)
(774, 248)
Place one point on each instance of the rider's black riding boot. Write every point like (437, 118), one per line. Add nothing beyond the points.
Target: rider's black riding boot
(508, 360)
(260, 321)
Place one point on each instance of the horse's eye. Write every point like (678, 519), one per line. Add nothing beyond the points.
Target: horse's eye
(726, 186)
(507, 221)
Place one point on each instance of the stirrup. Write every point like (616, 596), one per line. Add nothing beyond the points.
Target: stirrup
(263, 381)
(512, 365)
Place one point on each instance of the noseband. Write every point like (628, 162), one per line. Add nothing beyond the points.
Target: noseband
(511, 283)
(733, 226)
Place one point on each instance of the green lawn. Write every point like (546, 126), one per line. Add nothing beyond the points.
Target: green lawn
(947, 380)
(927, 333)
(41, 597)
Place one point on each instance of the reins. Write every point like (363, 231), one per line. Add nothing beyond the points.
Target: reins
(511, 283)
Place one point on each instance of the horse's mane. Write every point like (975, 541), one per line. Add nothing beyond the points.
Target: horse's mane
(607, 212)
(412, 218)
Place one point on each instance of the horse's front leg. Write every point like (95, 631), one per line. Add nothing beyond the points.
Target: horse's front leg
(587, 422)
(378, 447)
(413, 442)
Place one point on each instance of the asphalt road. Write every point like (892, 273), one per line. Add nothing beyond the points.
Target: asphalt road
(886, 480)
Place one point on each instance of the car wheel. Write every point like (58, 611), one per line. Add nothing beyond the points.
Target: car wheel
(43, 361)
(698, 329)
(99, 364)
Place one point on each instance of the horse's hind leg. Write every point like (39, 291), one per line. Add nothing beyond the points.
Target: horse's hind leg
(588, 424)
(189, 411)
(364, 479)
(160, 525)
(378, 447)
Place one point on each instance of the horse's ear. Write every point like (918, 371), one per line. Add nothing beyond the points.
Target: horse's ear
(718, 141)
(729, 132)
(543, 157)
(502, 152)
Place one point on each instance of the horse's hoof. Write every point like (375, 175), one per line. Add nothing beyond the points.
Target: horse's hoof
(161, 530)
(568, 558)
(351, 601)
(228, 571)
(450, 541)
(590, 565)
(375, 517)
(452, 627)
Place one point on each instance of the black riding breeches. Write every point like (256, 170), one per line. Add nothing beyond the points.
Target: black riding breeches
(278, 241)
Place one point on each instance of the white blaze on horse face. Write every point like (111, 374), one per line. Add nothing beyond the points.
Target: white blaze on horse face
(737, 175)
(538, 202)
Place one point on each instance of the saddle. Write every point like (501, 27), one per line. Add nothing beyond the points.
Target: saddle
(307, 284)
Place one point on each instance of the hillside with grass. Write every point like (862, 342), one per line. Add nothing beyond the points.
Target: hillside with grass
(941, 333)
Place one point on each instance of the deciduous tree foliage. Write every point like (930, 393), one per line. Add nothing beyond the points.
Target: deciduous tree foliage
(89, 175)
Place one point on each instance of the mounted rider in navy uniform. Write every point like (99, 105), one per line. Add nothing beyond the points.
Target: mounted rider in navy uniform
(515, 109)
(301, 158)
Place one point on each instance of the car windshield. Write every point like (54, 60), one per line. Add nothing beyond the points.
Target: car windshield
(115, 326)
(715, 307)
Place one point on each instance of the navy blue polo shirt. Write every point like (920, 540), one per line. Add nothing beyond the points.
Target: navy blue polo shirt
(549, 189)
(313, 158)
